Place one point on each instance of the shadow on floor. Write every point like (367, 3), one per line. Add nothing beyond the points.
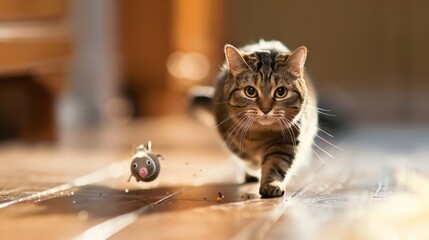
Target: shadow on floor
(104, 202)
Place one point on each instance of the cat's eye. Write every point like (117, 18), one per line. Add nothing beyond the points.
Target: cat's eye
(250, 92)
(280, 92)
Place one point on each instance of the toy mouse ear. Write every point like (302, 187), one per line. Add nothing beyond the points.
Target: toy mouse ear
(149, 146)
(160, 157)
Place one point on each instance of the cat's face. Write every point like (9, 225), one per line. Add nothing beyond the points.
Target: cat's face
(264, 87)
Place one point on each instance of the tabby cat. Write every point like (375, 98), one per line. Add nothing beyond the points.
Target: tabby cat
(265, 109)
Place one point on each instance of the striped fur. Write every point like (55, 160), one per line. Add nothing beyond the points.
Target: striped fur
(281, 138)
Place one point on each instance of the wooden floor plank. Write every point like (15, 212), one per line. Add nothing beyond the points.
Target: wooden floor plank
(355, 189)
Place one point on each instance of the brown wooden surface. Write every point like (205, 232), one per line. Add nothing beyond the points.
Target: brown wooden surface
(149, 32)
(29, 47)
(27, 107)
(32, 9)
(35, 43)
(357, 195)
(145, 49)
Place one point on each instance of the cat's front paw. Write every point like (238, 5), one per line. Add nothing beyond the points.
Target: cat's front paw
(272, 189)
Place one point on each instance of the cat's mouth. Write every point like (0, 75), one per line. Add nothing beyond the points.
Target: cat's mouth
(265, 120)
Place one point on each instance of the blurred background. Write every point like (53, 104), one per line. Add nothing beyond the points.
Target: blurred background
(71, 65)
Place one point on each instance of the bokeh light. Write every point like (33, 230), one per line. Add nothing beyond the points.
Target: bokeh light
(192, 66)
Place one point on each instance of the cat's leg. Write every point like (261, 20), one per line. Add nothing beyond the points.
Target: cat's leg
(253, 173)
(250, 178)
(274, 169)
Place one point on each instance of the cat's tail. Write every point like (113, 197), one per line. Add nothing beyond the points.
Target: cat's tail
(201, 104)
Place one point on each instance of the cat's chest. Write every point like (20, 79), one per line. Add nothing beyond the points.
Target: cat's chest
(254, 145)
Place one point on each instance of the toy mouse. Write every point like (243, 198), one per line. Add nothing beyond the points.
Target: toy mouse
(145, 165)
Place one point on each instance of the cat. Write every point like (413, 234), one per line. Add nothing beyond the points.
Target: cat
(264, 106)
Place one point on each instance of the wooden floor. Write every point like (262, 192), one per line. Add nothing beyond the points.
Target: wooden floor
(375, 188)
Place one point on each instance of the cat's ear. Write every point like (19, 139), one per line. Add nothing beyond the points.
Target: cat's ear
(295, 62)
(235, 61)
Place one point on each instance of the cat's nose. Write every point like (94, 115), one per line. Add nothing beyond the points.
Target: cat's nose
(265, 110)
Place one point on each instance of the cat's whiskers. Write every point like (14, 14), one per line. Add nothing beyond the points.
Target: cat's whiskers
(234, 126)
(326, 114)
(321, 159)
(288, 125)
(247, 128)
(280, 115)
(297, 127)
(317, 155)
(242, 129)
(321, 110)
(243, 123)
(318, 108)
(279, 121)
(286, 128)
(323, 150)
(229, 118)
(326, 141)
(240, 124)
(323, 139)
(325, 132)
